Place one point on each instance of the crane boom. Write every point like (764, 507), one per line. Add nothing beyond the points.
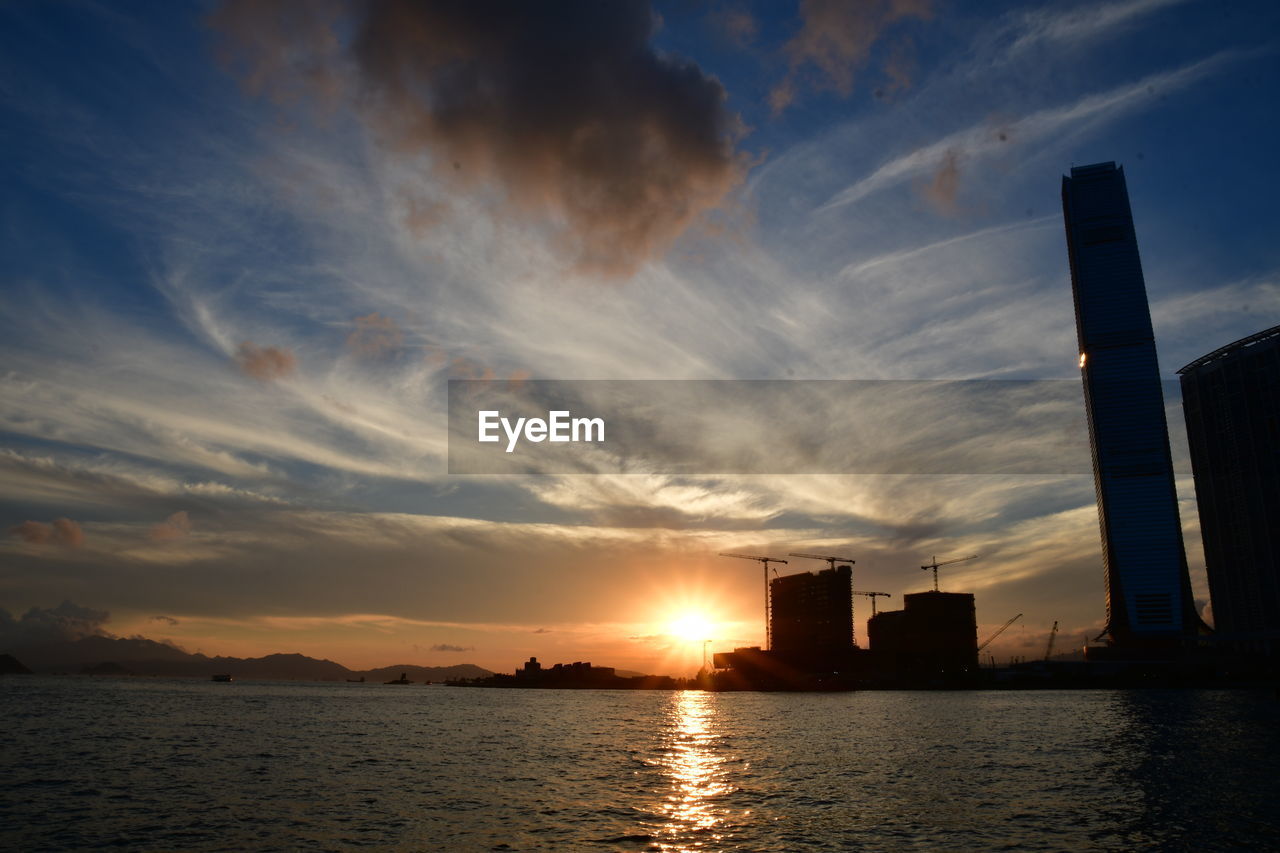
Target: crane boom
(872, 596)
(935, 565)
(765, 561)
(998, 632)
(830, 560)
(1053, 635)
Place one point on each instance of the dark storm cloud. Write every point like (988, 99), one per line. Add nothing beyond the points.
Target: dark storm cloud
(564, 106)
(65, 622)
(449, 647)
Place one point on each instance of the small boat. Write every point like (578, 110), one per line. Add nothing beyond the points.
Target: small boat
(403, 679)
(222, 676)
(359, 680)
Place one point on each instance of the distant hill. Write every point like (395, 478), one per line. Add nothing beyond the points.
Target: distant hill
(140, 656)
(105, 668)
(9, 665)
(420, 674)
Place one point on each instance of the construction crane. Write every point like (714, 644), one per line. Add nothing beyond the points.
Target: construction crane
(765, 561)
(1053, 635)
(998, 632)
(872, 596)
(831, 561)
(935, 565)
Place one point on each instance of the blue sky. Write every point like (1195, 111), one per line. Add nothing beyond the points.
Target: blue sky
(238, 277)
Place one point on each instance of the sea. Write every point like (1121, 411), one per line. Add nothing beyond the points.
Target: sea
(156, 764)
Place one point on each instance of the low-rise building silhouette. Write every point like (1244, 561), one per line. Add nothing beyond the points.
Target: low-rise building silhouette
(935, 634)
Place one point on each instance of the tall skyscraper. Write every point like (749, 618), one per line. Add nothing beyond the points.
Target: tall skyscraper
(1231, 400)
(1149, 602)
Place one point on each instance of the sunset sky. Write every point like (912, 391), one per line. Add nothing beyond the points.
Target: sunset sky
(246, 245)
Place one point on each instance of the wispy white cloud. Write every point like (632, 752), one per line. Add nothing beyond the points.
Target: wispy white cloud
(1081, 24)
(283, 236)
(984, 139)
(896, 259)
(1191, 323)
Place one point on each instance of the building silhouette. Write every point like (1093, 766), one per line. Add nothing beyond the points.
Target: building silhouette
(934, 634)
(932, 641)
(1149, 602)
(1231, 401)
(812, 611)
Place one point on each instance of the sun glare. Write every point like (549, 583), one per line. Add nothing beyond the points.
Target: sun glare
(690, 627)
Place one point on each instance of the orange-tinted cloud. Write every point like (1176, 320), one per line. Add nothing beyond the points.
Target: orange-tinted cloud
(175, 526)
(33, 532)
(737, 25)
(565, 108)
(899, 67)
(263, 51)
(374, 336)
(265, 363)
(836, 38)
(68, 532)
(944, 187)
(941, 190)
(62, 531)
(517, 378)
(462, 368)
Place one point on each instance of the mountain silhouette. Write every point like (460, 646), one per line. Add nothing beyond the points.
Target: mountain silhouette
(140, 656)
(9, 665)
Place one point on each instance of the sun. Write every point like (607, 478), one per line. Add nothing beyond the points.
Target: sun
(690, 627)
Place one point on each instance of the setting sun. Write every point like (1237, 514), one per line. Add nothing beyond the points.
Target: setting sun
(691, 627)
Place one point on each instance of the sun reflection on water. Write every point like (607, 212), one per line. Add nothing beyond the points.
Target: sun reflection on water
(693, 807)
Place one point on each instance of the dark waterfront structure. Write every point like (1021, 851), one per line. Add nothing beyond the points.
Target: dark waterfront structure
(579, 675)
(931, 642)
(1231, 400)
(1149, 604)
(811, 631)
(812, 611)
(935, 634)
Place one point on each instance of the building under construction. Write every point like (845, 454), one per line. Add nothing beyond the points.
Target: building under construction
(935, 634)
(810, 612)
(811, 628)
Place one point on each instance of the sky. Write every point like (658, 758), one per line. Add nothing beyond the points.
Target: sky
(248, 245)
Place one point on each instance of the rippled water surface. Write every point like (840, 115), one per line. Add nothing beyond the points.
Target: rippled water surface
(164, 765)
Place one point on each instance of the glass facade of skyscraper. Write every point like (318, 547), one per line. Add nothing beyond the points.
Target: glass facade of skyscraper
(1148, 589)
